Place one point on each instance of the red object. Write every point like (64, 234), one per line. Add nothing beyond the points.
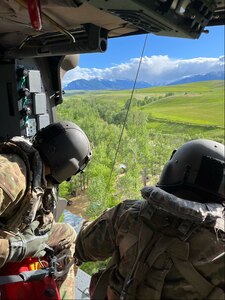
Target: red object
(34, 9)
(44, 289)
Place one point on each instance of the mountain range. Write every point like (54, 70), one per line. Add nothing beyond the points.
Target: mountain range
(199, 77)
(103, 84)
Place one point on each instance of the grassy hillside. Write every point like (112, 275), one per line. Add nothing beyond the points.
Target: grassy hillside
(197, 103)
(195, 108)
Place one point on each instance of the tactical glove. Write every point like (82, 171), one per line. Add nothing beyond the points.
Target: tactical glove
(27, 244)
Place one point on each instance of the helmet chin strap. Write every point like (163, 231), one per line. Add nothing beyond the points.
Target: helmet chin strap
(47, 170)
(49, 181)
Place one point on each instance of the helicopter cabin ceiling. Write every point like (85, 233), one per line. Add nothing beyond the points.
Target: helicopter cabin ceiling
(39, 28)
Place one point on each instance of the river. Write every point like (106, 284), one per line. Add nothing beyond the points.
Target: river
(82, 278)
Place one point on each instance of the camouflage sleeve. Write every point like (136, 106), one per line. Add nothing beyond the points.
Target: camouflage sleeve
(4, 251)
(97, 240)
(4, 244)
(12, 182)
(12, 188)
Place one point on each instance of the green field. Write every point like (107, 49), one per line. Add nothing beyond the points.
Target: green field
(195, 108)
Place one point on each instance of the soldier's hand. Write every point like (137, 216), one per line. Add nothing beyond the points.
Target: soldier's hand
(28, 244)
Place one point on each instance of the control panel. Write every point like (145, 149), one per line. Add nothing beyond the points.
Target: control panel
(32, 101)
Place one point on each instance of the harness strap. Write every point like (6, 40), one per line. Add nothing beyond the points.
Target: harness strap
(25, 276)
(100, 290)
(153, 248)
(145, 262)
(159, 248)
(203, 286)
(125, 245)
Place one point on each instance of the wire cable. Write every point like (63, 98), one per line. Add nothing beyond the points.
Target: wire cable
(23, 3)
(128, 108)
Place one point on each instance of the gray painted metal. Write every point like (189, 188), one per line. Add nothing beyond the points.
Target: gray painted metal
(82, 282)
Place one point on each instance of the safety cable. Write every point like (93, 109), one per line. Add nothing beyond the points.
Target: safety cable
(128, 108)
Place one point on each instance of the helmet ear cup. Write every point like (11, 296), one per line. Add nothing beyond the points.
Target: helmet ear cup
(197, 166)
(61, 172)
(64, 147)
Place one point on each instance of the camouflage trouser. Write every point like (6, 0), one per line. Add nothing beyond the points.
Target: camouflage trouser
(62, 240)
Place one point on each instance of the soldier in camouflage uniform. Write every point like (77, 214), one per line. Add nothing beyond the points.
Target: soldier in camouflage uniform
(29, 177)
(171, 245)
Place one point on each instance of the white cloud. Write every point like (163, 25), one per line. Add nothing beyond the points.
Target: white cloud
(154, 69)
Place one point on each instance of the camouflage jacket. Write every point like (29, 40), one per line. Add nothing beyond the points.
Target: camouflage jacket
(155, 254)
(12, 189)
(24, 195)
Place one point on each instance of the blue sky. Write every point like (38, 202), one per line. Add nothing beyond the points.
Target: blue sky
(165, 58)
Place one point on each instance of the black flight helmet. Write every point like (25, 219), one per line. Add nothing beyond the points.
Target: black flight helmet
(64, 147)
(197, 166)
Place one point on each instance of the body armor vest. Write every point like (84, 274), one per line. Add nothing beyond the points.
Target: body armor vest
(30, 202)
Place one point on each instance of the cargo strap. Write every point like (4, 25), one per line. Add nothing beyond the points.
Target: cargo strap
(26, 276)
(40, 274)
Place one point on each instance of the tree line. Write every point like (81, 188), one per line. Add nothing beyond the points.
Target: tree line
(145, 147)
(142, 152)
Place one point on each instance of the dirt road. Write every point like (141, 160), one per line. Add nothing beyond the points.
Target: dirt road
(78, 205)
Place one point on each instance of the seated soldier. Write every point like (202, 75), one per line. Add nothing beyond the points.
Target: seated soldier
(29, 177)
(170, 246)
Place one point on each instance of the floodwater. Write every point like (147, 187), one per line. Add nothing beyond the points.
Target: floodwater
(73, 220)
(82, 280)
